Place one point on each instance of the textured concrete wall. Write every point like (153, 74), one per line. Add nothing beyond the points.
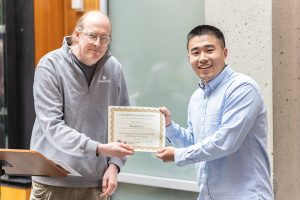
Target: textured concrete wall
(247, 26)
(286, 98)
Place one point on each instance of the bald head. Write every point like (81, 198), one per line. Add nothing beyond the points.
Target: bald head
(92, 17)
(91, 37)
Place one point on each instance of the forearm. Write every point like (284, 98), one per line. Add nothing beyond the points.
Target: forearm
(114, 149)
(178, 136)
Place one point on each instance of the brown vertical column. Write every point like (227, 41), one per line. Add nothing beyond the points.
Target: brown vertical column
(48, 26)
(286, 98)
(53, 20)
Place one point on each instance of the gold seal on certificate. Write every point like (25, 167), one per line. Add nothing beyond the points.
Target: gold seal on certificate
(141, 127)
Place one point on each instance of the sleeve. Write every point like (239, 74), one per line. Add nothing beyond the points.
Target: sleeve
(181, 137)
(48, 102)
(117, 161)
(178, 136)
(240, 112)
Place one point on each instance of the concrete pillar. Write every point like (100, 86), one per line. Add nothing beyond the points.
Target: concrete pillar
(286, 98)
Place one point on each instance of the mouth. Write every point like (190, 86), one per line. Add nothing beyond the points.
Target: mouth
(204, 66)
(97, 50)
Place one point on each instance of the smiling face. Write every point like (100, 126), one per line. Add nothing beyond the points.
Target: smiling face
(207, 56)
(84, 48)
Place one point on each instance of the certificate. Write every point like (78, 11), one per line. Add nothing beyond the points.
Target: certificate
(141, 127)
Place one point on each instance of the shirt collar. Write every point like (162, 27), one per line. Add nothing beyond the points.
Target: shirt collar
(214, 83)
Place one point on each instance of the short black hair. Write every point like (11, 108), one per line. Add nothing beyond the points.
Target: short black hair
(206, 30)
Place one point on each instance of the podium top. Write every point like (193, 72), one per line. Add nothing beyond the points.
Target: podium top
(29, 163)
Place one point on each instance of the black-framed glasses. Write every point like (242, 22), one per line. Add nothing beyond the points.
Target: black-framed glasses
(93, 37)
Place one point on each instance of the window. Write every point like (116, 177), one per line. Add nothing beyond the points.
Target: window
(149, 39)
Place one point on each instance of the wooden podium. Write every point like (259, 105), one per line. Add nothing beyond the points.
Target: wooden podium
(27, 163)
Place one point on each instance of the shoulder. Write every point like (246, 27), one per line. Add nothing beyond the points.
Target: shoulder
(113, 61)
(238, 79)
(112, 64)
(240, 83)
(52, 56)
(53, 59)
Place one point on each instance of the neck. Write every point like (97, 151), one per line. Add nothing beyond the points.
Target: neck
(76, 52)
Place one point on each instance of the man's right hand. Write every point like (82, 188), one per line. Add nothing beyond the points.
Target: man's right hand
(167, 114)
(115, 149)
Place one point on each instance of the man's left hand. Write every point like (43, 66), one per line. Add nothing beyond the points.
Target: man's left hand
(166, 154)
(109, 182)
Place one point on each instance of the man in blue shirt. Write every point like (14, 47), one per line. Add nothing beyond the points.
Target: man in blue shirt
(226, 135)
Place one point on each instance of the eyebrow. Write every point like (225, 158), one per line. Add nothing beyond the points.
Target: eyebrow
(95, 33)
(204, 47)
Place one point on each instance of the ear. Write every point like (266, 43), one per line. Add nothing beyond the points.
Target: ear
(225, 51)
(76, 34)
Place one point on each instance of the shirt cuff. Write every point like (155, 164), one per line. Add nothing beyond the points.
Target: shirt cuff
(118, 162)
(171, 129)
(179, 156)
(91, 148)
(182, 158)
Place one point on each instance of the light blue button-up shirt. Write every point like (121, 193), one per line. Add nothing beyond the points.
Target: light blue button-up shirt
(226, 138)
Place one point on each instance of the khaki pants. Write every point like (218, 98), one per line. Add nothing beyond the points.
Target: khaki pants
(47, 192)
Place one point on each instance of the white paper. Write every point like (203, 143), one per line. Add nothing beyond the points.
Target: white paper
(141, 127)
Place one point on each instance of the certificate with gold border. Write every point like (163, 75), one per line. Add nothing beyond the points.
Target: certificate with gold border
(141, 127)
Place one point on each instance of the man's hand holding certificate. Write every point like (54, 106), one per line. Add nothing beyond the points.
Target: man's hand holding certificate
(141, 127)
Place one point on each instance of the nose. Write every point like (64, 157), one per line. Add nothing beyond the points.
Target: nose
(98, 41)
(202, 58)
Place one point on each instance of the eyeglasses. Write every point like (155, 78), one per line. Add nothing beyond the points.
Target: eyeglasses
(93, 37)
